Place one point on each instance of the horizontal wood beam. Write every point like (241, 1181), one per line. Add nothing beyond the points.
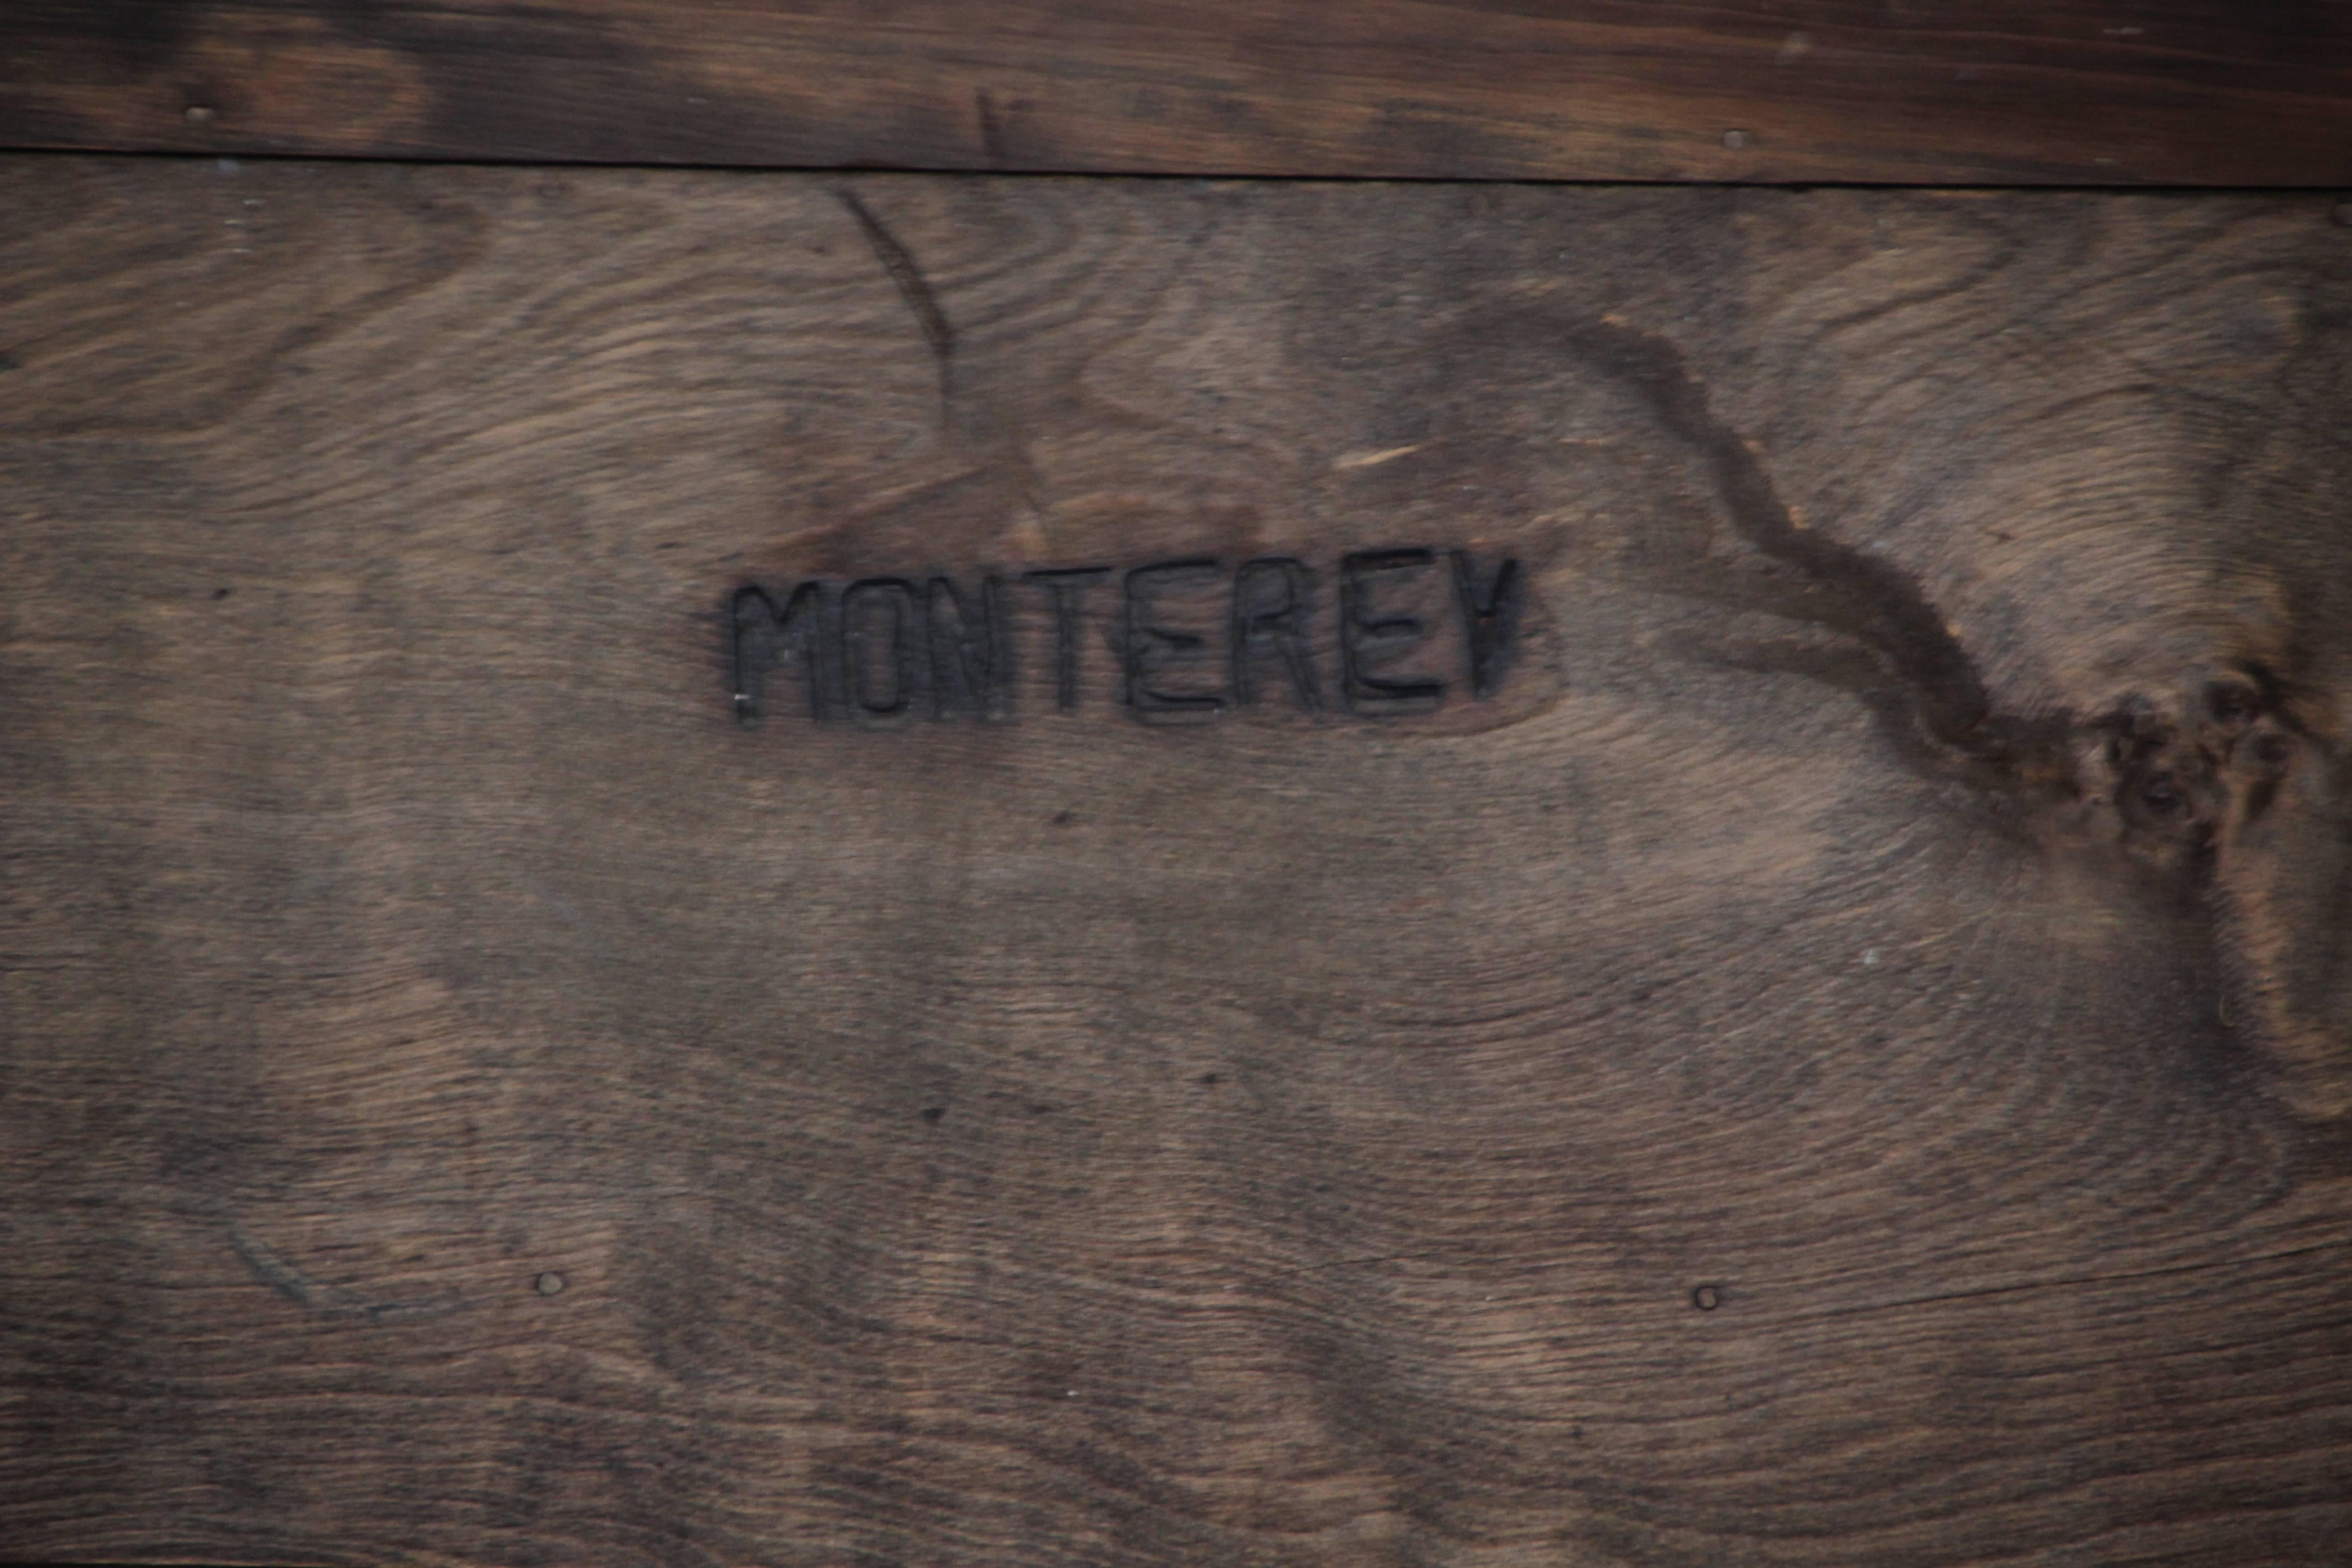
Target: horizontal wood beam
(2186, 92)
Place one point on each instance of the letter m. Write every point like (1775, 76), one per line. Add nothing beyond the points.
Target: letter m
(760, 636)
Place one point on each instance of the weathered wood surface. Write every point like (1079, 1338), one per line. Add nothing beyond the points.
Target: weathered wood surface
(1896, 897)
(2208, 92)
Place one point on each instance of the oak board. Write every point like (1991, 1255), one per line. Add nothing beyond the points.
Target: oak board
(2183, 93)
(1832, 1050)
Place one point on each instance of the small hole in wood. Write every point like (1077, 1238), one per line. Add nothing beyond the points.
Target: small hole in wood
(2161, 797)
(2233, 705)
(1706, 1298)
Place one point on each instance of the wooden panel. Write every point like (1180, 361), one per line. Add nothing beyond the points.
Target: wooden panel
(2012, 91)
(1837, 1055)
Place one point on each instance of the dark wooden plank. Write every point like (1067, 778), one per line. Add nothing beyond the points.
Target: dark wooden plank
(1839, 1058)
(2197, 93)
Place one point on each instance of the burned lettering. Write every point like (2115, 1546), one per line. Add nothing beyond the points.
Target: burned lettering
(1270, 610)
(1150, 647)
(1191, 641)
(1369, 640)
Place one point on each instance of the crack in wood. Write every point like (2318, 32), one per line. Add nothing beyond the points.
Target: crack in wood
(907, 275)
(273, 1268)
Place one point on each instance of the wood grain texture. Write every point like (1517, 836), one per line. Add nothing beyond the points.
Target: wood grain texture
(1898, 898)
(2199, 93)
